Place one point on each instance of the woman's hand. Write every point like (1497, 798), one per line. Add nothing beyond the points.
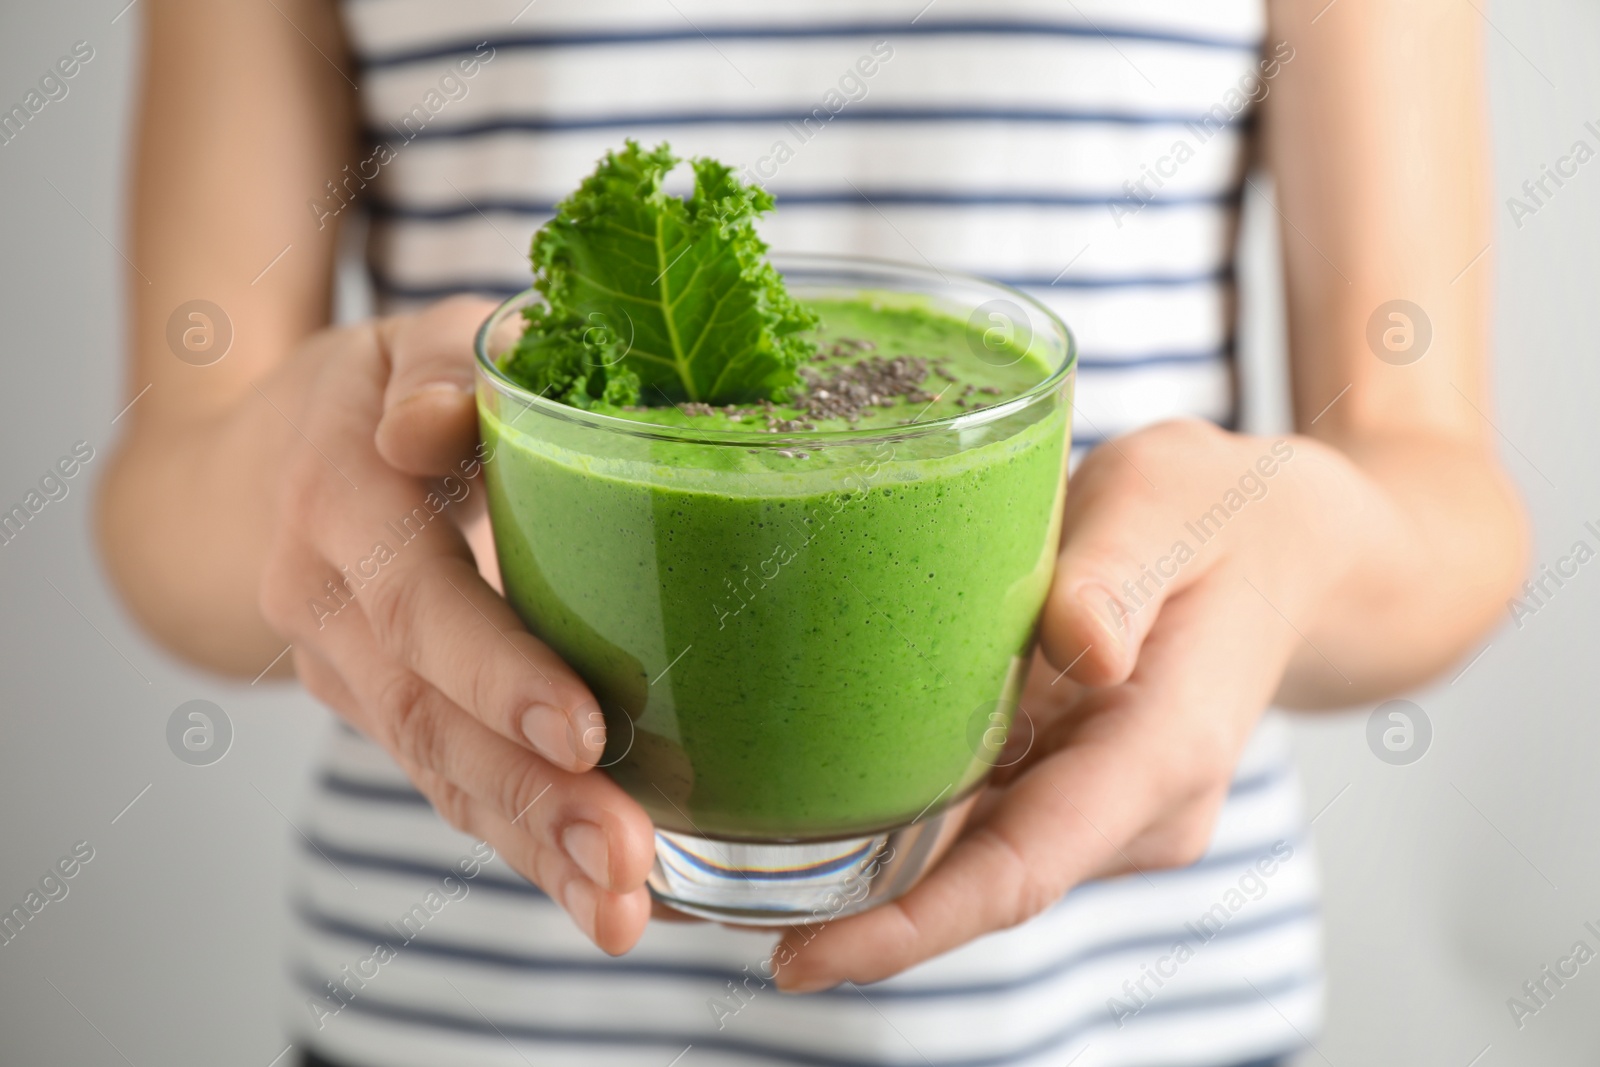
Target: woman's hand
(1376, 555)
(1193, 562)
(370, 577)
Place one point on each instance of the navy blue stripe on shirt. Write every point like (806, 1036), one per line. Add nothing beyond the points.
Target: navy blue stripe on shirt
(1259, 782)
(624, 966)
(1139, 361)
(672, 1042)
(1216, 275)
(387, 286)
(498, 124)
(505, 205)
(1107, 33)
(1239, 858)
(380, 793)
(338, 856)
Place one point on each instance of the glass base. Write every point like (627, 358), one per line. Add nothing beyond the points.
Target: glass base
(789, 883)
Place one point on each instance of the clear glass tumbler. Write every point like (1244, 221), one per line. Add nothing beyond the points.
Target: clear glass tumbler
(807, 646)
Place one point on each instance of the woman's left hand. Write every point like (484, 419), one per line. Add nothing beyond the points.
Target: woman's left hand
(1192, 566)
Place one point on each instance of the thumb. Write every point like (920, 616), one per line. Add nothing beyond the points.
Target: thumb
(429, 417)
(1124, 553)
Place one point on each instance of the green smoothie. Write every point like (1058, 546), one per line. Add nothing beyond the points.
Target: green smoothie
(802, 636)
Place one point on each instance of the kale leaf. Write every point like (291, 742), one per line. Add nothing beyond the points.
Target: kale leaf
(654, 299)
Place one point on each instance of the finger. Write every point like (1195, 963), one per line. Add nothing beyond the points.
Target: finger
(1134, 786)
(610, 919)
(1125, 550)
(1048, 694)
(614, 921)
(990, 880)
(321, 679)
(438, 617)
(382, 529)
(430, 421)
(1049, 697)
(480, 540)
(586, 816)
(418, 583)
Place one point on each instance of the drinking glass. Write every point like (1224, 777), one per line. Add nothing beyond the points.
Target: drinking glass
(807, 647)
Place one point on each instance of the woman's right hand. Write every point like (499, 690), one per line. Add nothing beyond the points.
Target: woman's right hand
(415, 648)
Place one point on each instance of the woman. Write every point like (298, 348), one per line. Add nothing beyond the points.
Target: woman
(1142, 891)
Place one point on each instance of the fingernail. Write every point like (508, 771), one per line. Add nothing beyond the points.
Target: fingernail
(585, 844)
(589, 726)
(581, 902)
(1111, 613)
(549, 731)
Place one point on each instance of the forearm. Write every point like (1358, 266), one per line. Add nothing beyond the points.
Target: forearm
(185, 512)
(1376, 135)
(243, 114)
(1429, 543)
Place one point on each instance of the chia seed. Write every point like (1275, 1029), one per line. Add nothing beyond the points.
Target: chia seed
(846, 391)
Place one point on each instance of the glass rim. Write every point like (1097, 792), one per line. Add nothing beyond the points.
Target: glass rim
(866, 265)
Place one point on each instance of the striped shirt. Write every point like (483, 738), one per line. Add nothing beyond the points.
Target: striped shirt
(1090, 153)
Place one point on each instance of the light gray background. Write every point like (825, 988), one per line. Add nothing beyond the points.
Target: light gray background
(1449, 882)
